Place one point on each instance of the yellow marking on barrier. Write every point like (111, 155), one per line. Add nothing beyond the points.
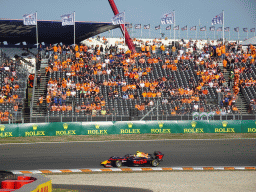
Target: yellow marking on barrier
(188, 168)
(208, 168)
(25, 171)
(126, 169)
(45, 171)
(229, 168)
(106, 170)
(86, 170)
(167, 169)
(147, 169)
(250, 168)
(66, 171)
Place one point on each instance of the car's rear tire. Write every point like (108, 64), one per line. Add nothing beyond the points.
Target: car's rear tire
(154, 163)
(118, 164)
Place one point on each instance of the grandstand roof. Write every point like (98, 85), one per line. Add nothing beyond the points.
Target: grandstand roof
(13, 31)
(251, 41)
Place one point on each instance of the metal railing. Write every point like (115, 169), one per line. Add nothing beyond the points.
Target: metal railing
(113, 117)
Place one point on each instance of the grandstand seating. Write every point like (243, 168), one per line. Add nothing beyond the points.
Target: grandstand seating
(85, 82)
(185, 77)
(13, 83)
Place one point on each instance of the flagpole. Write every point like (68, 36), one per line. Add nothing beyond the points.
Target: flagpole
(196, 33)
(160, 32)
(124, 28)
(149, 31)
(214, 33)
(174, 26)
(140, 31)
(187, 32)
(229, 35)
(179, 32)
(223, 28)
(132, 32)
(171, 33)
(36, 33)
(238, 34)
(205, 32)
(247, 33)
(199, 30)
(74, 29)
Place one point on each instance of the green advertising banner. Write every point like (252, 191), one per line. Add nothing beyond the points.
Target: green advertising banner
(59, 129)
(248, 126)
(230, 126)
(130, 127)
(98, 128)
(33, 129)
(126, 127)
(10, 130)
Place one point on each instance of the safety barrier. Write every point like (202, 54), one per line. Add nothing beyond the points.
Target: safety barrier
(126, 127)
(28, 183)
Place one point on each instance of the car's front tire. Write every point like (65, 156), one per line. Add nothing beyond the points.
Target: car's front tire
(154, 163)
(118, 164)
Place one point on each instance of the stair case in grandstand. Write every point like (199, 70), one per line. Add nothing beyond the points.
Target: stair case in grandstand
(240, 103)
(40, 90)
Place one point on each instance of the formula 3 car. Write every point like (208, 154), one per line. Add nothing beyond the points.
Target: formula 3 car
(134, 160)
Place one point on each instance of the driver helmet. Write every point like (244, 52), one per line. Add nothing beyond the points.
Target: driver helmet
(138, 151)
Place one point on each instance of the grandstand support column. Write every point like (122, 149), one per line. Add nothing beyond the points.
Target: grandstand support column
(74, 28)
(36, 32)
(128, 39)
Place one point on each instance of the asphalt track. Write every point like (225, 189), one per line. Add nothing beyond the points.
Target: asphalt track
(75, 155)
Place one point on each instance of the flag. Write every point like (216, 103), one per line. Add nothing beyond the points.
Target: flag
(129, 25)
(176, 27)
(245, 29)
(219, 29)
(157, 27)
(212, 28)
(147, 26)
(193, 28)
(118, 19)
(252, 29)
(169, 27)
(226, 29)
(203, 28)
(167, 18)
(236, 29)
(184, 28)
(217, 19)
(137, 26)
(30, 19)
(68, 19)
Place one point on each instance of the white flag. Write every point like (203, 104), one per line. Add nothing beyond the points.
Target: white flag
(137, 26)
(217, 19)
(30, 19)
(167, 18)
(118, 19)
(68, 19)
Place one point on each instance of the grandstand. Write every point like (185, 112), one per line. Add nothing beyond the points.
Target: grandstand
(128, 86)
(100, 79)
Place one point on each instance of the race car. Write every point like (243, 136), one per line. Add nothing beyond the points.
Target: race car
(138, 159)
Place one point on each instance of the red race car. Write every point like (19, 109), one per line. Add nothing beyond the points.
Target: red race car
(139, 158)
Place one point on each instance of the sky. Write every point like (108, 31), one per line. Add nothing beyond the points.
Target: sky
(237, 13)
